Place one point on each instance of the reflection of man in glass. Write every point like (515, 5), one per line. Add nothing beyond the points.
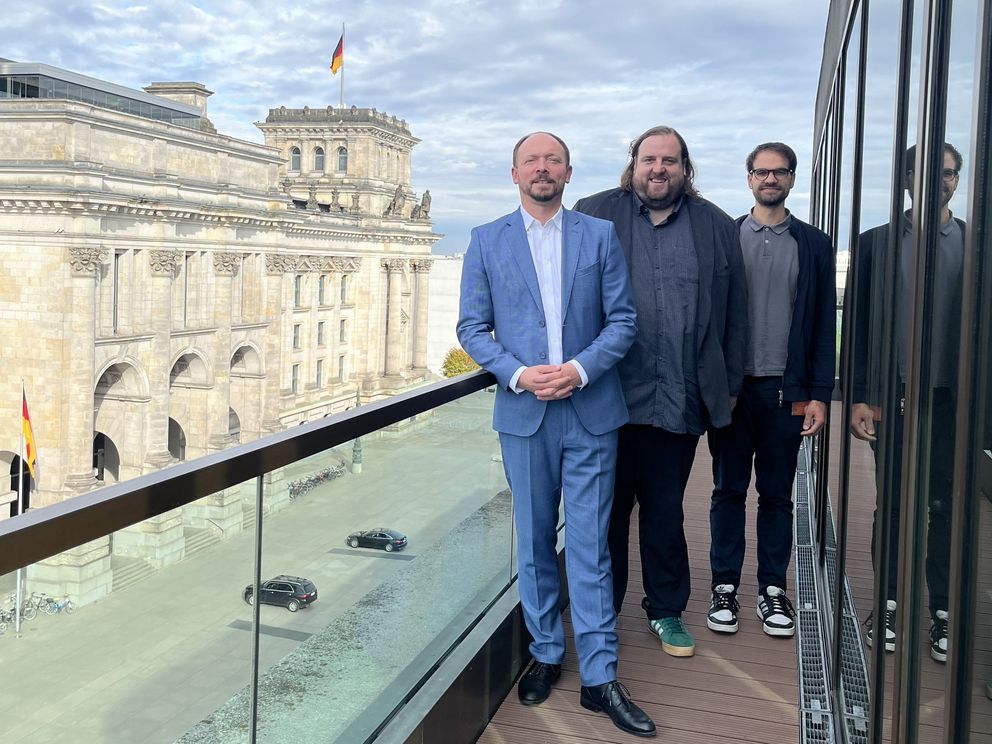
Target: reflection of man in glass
(942, 346)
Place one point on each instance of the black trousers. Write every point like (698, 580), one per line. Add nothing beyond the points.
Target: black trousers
(941, 452)
(764, 434)
(653, 467)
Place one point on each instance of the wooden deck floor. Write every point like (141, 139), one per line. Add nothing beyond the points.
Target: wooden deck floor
(739, 688)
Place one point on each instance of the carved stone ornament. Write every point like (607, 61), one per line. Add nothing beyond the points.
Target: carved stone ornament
(277, 264)
(85, 259)
(394, 265)
(164, 262)
(422, 265)
(347, 264)
(226, 264)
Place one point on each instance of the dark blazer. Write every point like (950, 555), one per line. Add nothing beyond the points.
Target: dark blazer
(502, 327)
(872, 322)
(812, 354)
(721, 312)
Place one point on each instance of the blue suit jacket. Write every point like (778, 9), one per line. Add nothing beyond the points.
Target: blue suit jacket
(501, 320)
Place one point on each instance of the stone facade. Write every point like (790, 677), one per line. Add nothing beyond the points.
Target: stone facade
(164, 296)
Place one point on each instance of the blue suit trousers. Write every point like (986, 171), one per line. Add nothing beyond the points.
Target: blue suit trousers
(563, 461)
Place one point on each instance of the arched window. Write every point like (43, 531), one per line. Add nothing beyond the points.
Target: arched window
(294, 159)
(342, 158)
(318, 160)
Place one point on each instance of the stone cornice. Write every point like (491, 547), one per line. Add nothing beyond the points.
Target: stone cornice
(85, 260)
(287, 222)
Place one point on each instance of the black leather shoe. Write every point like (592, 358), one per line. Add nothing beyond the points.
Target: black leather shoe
(614, 700)
(535, 685)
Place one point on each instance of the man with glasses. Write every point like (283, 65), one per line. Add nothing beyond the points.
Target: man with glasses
(788, 380)
(684, 370)
(872, 324)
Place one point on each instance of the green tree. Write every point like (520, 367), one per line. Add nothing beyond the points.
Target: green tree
(457, 362)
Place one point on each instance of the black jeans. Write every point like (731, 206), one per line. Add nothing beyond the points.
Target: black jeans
(763, 433)
(653, 467)
(941, 451)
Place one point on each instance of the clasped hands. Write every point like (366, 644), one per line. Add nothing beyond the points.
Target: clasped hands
(550, 381)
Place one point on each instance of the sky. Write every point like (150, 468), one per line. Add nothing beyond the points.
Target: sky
(471, 76)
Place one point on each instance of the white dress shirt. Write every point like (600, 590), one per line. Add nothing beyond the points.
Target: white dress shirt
(545, 249)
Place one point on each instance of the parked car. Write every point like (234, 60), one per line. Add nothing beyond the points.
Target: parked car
(380, 537)
(291, 592)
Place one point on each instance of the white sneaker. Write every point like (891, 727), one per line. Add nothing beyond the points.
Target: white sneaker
(776, 612)
(722, 616)
(890, 627)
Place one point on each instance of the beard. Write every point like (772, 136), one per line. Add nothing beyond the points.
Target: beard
(771, 198)
(648, 191)
(538, 191)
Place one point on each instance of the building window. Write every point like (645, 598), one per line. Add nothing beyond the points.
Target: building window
(321, 287)
(320, 372)
(295, 381)
(298, 290)
(342, 159)
(318, 160)
(342, 371)
(296, 336)
(320, 333)
(294, 159)
(344, 289)
(343, 332)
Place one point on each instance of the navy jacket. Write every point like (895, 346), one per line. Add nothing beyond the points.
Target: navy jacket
(812, 352)
(721, 312)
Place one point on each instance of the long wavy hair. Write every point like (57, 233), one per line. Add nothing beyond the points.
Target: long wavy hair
(688, 188)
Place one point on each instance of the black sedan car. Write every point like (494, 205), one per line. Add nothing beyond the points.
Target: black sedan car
(290, 592)
(388, 540)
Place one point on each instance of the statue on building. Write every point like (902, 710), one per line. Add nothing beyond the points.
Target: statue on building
(335, 199)
(396, 204)
(312, 199)
(425, 205)
(355, 206)
(415, 212)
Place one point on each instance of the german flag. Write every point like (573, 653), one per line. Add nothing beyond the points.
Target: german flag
(337, 61)
(30, 451)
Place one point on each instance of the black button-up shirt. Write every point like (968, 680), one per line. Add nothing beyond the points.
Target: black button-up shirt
(659, 375)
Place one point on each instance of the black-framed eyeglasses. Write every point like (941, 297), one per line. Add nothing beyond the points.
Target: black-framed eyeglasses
(762, 173)
(948, 174)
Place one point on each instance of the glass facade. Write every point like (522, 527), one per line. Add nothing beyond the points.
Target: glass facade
(43, 86)
(901, 181)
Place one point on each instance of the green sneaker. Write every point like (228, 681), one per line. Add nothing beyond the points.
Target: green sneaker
(675, 639)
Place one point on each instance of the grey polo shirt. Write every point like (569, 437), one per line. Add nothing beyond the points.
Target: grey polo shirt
(771, 262)
(660, 378)
(945, 332)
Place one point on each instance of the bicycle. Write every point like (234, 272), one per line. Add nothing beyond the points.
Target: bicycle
(27, 610)
(55, 606)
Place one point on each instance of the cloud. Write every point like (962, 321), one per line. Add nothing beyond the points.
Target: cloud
(471, 76)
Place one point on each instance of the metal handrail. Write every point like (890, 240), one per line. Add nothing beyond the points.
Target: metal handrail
(47, 531)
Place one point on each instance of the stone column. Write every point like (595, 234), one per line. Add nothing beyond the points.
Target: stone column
(226, 267)
(79, 367)
(163, 265)
(394, 334)
(220, 511)
(422, 268)
(160, 539)
(276, 267)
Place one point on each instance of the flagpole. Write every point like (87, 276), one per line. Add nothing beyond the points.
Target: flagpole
(20, 510)
(342, 65)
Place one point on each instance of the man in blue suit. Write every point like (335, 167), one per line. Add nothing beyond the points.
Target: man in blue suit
(546, 307)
